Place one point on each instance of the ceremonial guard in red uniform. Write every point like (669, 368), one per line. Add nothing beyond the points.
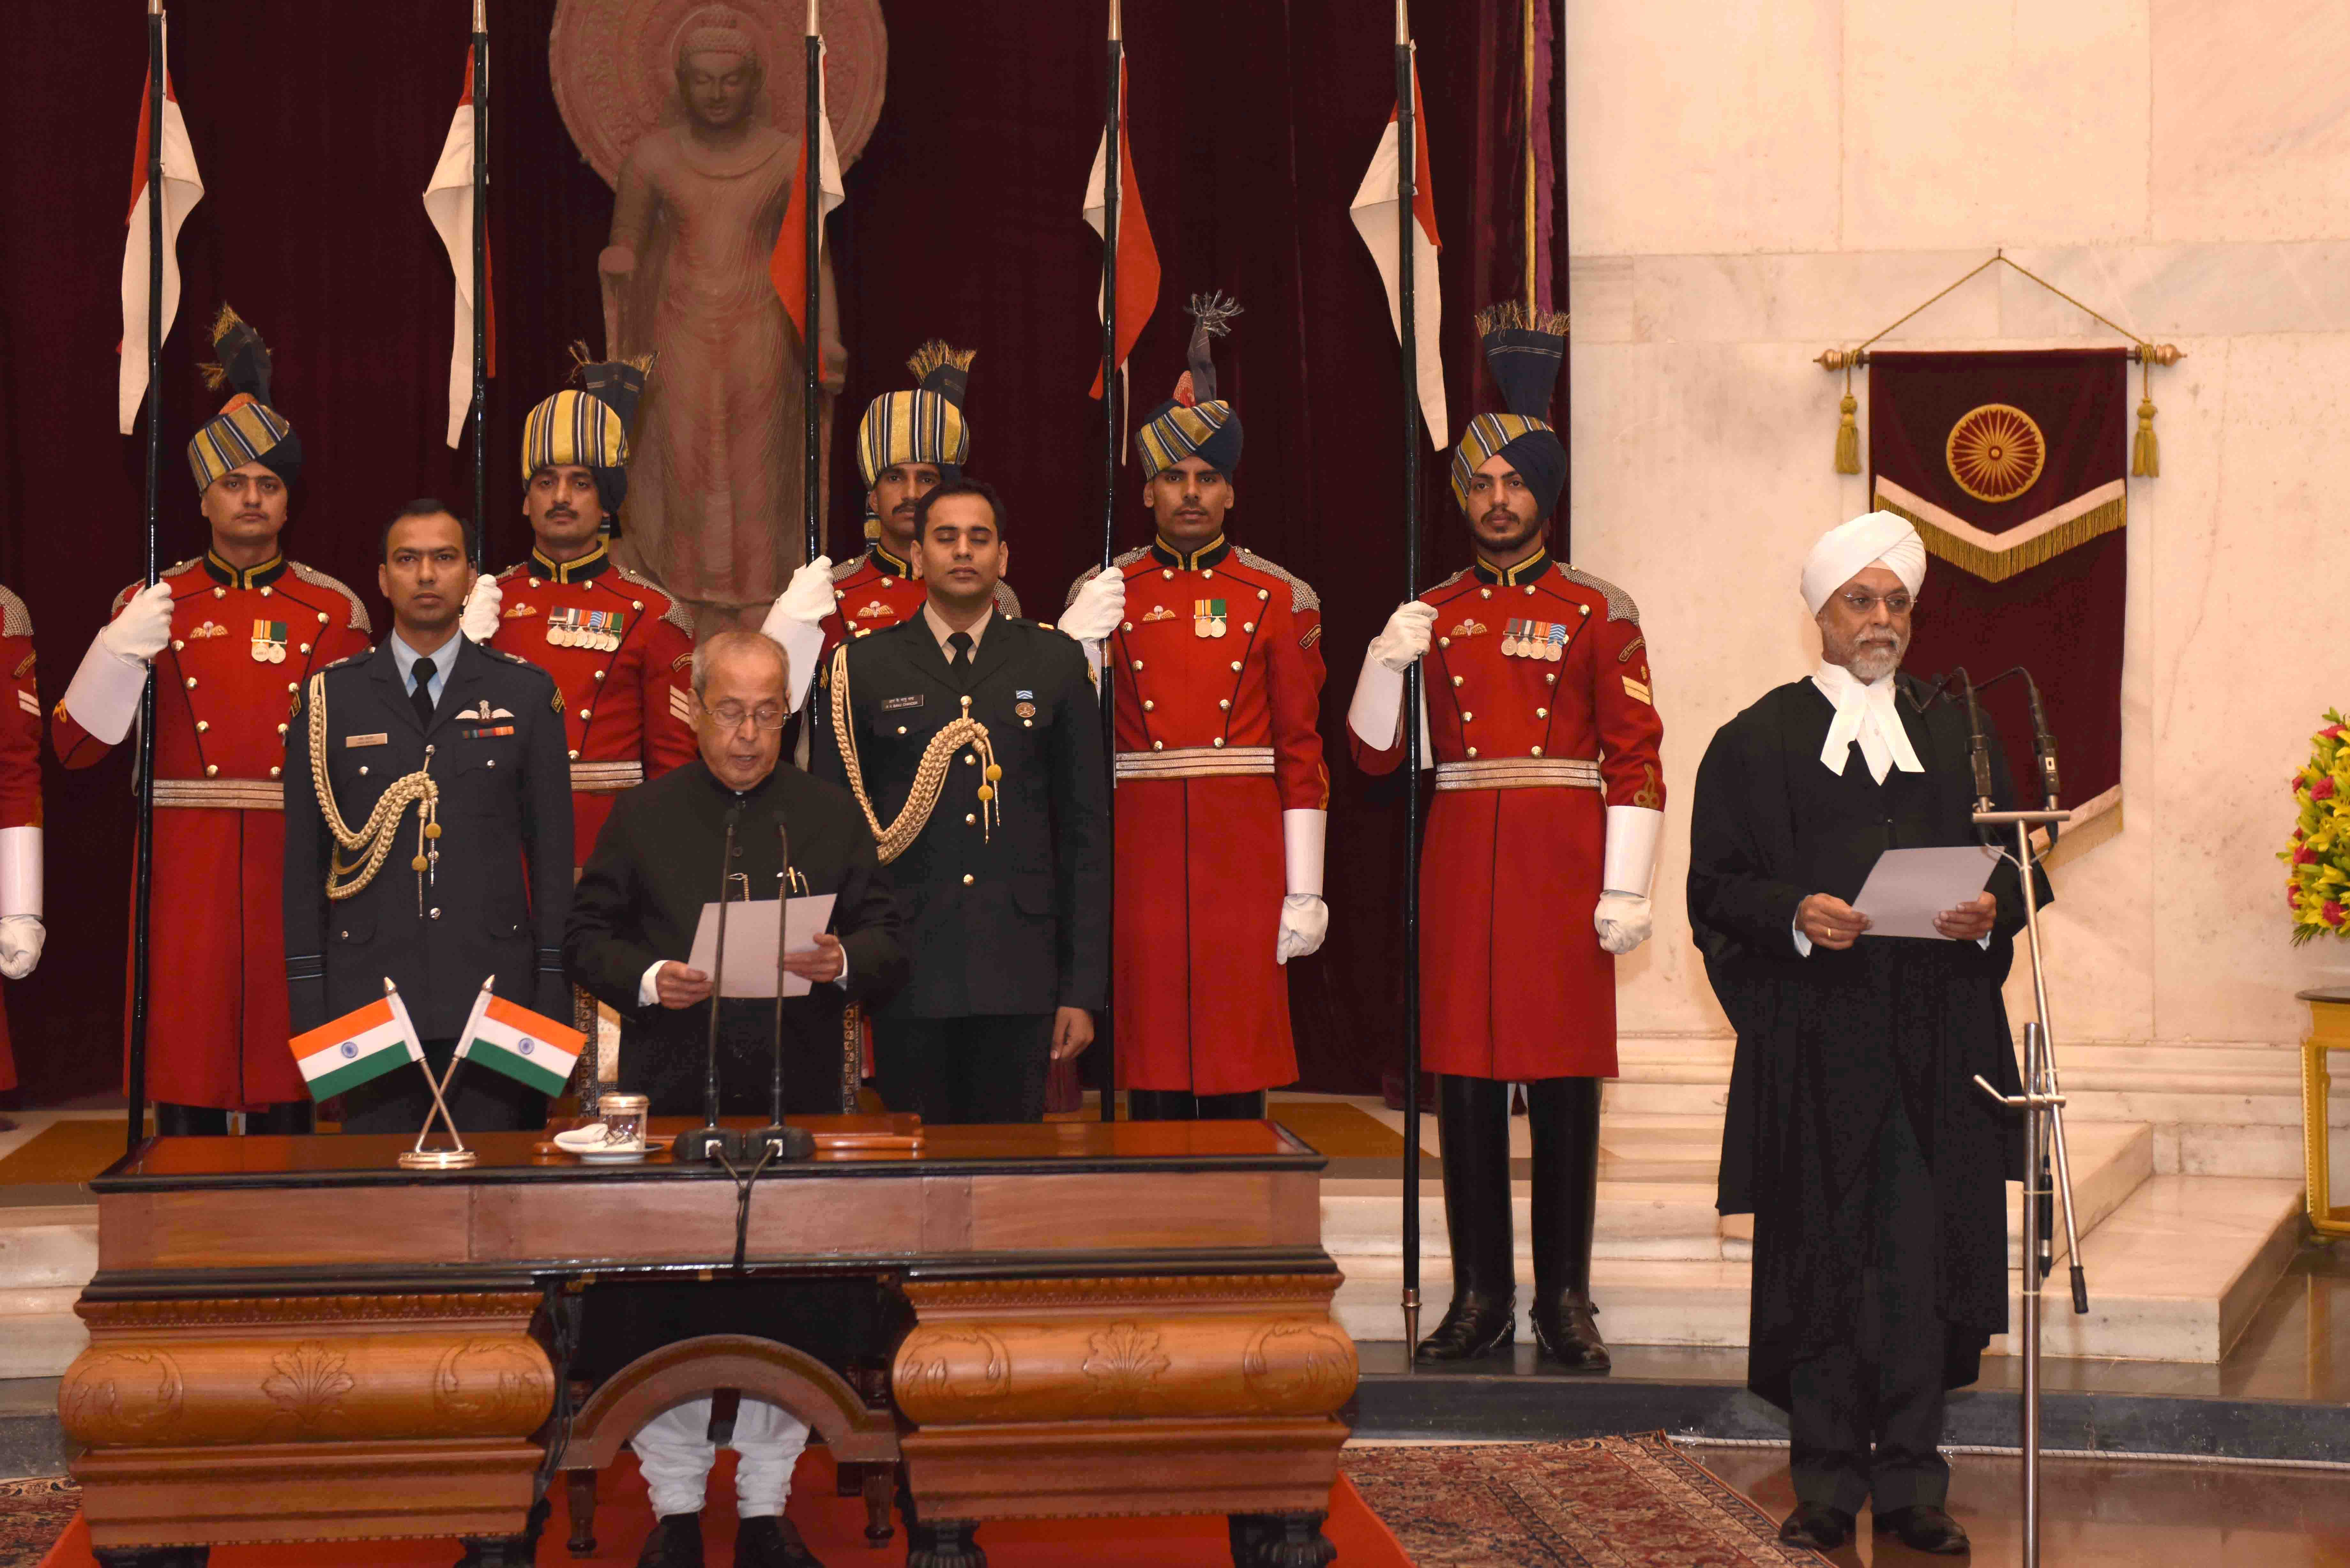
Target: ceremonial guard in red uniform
(906, 445)
(1541, 845)
(232, 636)
(1223, 797)
(20, 810)
(620, 649)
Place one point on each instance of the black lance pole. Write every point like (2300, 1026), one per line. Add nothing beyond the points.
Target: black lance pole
(481, 86)
(1407, 170)
(142, 909)
(1112, 187)
(812, 242)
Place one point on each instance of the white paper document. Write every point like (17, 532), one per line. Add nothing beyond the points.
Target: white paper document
(1907, 888)
(751, 943)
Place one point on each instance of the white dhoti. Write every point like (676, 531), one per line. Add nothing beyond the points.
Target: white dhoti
(675, 1453)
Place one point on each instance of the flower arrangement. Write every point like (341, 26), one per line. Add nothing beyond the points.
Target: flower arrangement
(2319, 855)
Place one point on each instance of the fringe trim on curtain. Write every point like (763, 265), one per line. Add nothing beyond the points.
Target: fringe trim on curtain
(1998, 566)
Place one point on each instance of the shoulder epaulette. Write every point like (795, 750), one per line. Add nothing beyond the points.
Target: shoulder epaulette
(1619, 602)
(509, 572)
(166, 574)
(1006, 601)
(675, 614)
(1090, 573)
(315, 579)
(500, 653)
(358, 658)
(843, 570)
(1454, 581)
(1301, 598)
(16, 621)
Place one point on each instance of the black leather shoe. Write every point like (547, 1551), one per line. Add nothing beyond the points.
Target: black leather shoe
(1922, 1527)
(675, 1543)
(1564, 1330)
(771, 1543)
(1473, 1326)
(1817, 1526)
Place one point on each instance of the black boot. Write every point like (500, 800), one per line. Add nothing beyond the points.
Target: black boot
(771, 1543)
(1161, 1106)
(1565, 1117)
(675, 1543)
(1472, 1120)
(292, 1117)
(190, 1121)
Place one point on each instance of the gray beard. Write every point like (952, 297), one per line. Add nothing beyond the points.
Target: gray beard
(1873, 663)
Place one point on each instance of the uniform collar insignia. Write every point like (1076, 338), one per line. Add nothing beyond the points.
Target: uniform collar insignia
(1525, 571)
(1210, 554)
(888, 564)
(259, 576)
(579, 571)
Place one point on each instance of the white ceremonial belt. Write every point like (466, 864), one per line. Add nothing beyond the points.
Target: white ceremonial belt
(1520, 772)
(1195, 763)
(221, 795)
(606, 778)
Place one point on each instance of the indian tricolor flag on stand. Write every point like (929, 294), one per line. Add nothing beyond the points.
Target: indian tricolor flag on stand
(357, 1047)
(528, 1047)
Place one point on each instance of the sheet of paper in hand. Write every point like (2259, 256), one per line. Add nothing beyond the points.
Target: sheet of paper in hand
(1906, 888)
(751, 943)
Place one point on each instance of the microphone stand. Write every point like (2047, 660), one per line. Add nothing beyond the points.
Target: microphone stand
(2042, 1099)
(710, 1141)
(776, 1140)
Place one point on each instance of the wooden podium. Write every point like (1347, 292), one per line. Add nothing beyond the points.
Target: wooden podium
(293, 1339)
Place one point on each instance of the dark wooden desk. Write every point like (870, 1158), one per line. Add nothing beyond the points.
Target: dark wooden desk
(293, 1339)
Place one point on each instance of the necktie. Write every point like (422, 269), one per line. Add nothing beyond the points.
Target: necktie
(961, 658)
(424, 670)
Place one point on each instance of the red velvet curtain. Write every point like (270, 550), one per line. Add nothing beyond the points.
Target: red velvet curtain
(316, 127)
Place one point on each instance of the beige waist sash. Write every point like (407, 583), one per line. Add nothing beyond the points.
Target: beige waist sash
(606, 778)
(1195, 763)
(220, 794)
(1520, 772)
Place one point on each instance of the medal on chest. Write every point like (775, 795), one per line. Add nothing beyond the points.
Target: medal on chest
(597, 630)
(269, 642)
(1541, 639)
(1208, 618)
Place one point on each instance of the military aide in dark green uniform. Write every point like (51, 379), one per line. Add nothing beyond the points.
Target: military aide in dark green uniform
(973, 741)
(467, 869)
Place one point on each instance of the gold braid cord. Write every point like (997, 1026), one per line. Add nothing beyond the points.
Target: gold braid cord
(375, 836)
(929, 778)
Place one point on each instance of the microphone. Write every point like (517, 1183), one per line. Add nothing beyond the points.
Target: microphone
(2044, 749)
(710, 1141)
(776, 1140)
(1978, 744)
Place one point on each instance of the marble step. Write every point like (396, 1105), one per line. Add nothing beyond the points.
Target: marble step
(2175, 1273)
(46, 1255)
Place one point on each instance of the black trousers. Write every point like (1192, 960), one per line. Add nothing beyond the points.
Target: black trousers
(480, 1100)
(1184, 1105)
(209, 1121)
(987, 1067)
(1866, 1418)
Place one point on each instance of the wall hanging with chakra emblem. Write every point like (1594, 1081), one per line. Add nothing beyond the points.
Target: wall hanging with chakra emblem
(2015, 470)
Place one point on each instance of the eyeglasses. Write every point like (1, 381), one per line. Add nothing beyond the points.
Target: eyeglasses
(1865, 605)
(730, 715)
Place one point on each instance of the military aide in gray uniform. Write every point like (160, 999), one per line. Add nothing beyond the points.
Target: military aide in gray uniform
(468, 870)
(998, 842)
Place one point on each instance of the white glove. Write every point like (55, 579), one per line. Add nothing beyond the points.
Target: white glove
(1098, 608)
(484, 608)
(1405, 636)
(1304, 921)
(1622, 920)
(806, 600)
(139, 632)
(20, 945)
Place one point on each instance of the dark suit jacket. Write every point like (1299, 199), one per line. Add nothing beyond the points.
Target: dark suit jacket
(496, 899)
(1003, 920)
(639, 898)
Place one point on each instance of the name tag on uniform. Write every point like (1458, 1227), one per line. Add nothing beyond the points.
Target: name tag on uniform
(366, 739)
(893, 703)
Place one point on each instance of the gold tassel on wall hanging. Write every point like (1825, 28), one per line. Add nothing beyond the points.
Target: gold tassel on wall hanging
(2146, 453)
(1848, 433)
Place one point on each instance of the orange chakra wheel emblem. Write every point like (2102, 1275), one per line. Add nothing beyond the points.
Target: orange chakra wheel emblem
(1996, 452)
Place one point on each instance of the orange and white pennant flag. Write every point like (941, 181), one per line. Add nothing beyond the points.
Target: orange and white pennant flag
(183, 189)
(449, 202)
(1374, 210)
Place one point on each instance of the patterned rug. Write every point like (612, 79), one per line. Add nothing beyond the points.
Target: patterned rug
(32, 1514)
(1601, 1503)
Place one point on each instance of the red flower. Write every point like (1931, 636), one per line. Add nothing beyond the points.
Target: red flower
(2331, 732)
(2333, 913)
(2302, 855)
(2322, 789)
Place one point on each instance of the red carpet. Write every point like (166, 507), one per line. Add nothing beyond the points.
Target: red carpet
(835, 1530)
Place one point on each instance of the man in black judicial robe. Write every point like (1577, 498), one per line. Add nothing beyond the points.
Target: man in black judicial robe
(656, 864)
(1873, 1167)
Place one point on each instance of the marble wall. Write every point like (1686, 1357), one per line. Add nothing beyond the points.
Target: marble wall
(1752, 183)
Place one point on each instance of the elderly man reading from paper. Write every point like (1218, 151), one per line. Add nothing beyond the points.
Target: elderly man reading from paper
(1873, 1167)
(640, 896)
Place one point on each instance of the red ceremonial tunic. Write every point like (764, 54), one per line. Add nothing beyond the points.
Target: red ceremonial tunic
(621, 653)
(1217, 686)
(877, 590)
(20, 751)
(1530, 752)
(243, 643)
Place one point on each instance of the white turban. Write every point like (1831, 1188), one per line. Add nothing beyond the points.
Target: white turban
(1848, 549)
